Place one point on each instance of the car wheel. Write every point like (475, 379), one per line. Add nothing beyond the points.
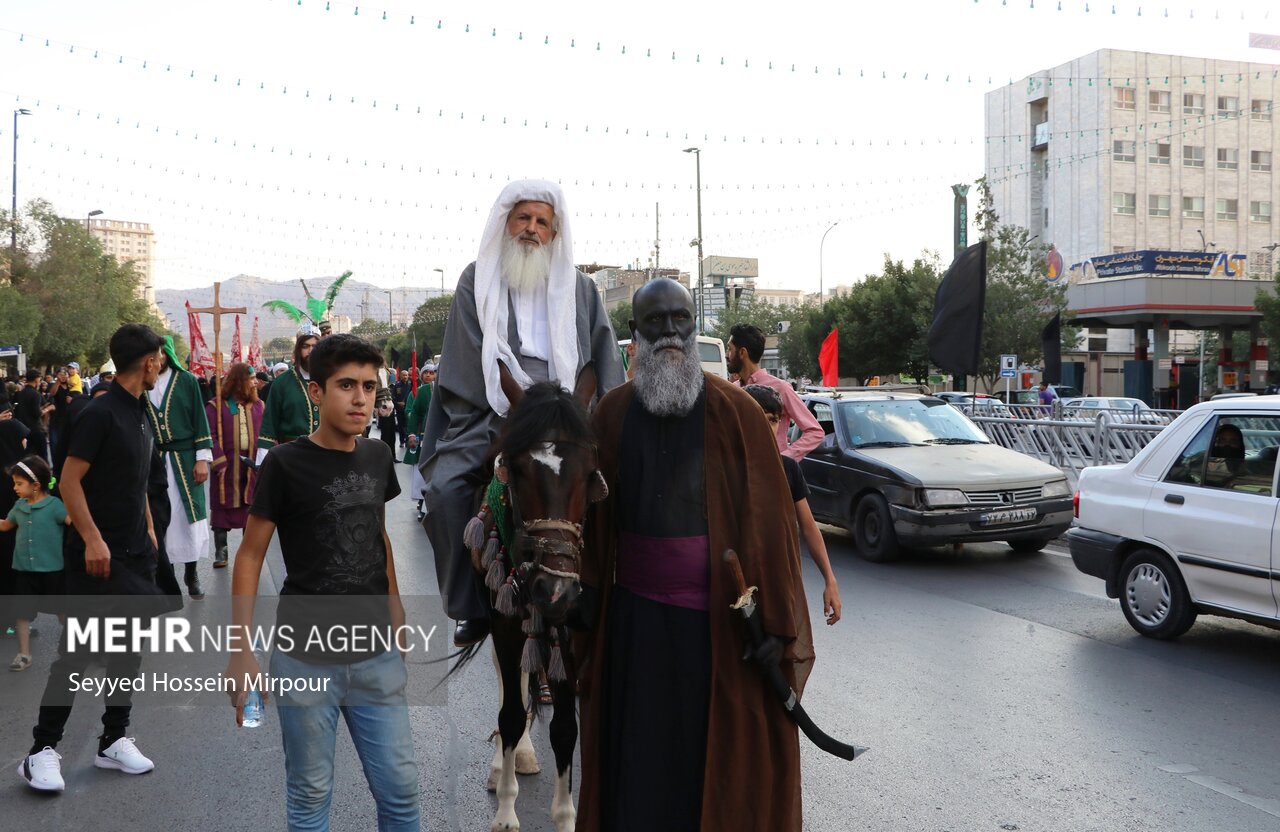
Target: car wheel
(1028, 546)
(1154, 597)
(873, 530)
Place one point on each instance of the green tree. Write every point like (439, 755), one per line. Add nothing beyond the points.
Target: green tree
(1020, 301)
(280, 345)
(1268, 303)
(754, 311)
(620, 317)
(429, 322)
(20, 318)
(883, 323)
(83, 295)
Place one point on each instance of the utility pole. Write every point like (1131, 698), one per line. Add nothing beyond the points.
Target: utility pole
(702, 316)
(657, 240)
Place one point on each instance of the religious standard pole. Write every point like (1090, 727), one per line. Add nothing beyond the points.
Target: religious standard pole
(217, 311)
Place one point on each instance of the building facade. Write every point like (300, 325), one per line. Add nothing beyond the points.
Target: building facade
(130, 242)
(1125, 151)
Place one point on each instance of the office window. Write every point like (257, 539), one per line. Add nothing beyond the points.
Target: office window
(1260, 211)
(1192, 156)
(1158, 102)
(1159, 154)
(1193, 207)
(1193, 104)
(1124, 151)
(1228, 105)
(1125, 99)
(1124, 203)
(1228, 209)
(1260, 109)
(1158, 205)
(1228, 158)
(1260, 160)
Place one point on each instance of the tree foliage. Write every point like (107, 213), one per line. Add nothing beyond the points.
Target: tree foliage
(81, 295)
(620, 317)
(755, 311)
(1268, 303)
(883, 323)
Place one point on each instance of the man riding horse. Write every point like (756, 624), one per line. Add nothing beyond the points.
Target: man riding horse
(524, 304)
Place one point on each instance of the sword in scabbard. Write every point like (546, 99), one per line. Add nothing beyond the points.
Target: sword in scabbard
(746, 607)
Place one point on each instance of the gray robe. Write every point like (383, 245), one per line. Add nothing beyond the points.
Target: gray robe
(461, 427)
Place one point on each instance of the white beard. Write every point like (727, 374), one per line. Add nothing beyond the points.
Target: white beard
(525, 267)
(668, 383)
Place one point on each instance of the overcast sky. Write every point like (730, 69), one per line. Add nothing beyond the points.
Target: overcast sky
(275, 138)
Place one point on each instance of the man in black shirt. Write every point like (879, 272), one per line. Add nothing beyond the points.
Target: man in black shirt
(111, 550)
(326, 495)
(28, 408)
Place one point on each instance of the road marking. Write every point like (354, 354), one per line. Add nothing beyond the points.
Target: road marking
(1222, 787)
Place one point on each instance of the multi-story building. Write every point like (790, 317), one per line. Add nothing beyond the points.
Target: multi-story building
(781, 297)
(617, 285)
(132, 242)
(1166, 157)
(1125, 151)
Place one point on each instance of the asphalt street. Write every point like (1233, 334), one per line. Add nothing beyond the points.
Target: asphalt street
(996, 692)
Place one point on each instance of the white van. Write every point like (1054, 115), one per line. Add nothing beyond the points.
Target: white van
(710, 353)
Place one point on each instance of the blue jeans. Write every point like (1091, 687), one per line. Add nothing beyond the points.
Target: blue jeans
(370, 695)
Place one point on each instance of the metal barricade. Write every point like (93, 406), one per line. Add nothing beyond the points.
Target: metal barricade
(1070, 444)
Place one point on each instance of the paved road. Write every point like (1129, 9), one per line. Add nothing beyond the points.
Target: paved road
(996, 691)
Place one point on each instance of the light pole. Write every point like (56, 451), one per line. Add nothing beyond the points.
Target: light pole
(13, 216)
(702, 317)
(441, 280)
(89, 219)
(822, 296)
(390, 321)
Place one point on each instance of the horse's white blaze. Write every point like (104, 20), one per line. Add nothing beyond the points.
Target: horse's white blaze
(546, 454)
(508, 789)
(563, 813)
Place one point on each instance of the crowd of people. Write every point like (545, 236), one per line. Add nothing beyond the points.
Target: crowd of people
(154, 471)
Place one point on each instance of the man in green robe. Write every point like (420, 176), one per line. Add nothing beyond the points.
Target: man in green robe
(290, 412)
(176, 409)
(416, 408)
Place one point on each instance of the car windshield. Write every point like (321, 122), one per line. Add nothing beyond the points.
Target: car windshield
(906, 422)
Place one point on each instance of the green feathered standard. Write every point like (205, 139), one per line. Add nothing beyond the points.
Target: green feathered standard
(316, 309)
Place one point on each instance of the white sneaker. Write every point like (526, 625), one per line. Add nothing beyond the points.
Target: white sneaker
(123, 755)
(42, 771)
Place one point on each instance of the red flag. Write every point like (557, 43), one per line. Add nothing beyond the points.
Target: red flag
(254, 357)
(236, 353)
(828, 359)
(200, 361)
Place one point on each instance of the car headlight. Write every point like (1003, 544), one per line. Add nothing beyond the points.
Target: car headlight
(1057, 488)
(941, 497)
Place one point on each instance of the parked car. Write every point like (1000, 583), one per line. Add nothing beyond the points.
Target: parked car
(1115, 409)
(903, 469)
(1188, 526)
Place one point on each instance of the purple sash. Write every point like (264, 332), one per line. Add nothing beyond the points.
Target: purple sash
(669, 570)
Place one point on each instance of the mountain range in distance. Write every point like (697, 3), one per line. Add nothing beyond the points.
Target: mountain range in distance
(356, 300)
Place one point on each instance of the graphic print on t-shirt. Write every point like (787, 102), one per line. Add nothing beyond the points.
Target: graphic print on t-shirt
(349, 529)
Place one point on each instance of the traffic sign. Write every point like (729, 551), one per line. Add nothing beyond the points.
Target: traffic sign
(1008, 366)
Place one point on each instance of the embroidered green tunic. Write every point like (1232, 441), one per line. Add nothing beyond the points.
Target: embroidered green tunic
(181, 429)
(290, 412)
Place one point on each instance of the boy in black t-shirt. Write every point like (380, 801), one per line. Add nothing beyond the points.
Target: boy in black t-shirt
(325, 493)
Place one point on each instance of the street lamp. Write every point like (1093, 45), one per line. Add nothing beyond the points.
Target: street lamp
(821, 294)
(441, 280)
(89, 218)
(702, 318)
(13, 216)
(390, 321)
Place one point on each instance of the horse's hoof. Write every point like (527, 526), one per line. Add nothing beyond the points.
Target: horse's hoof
(504, 826)
(491, 785)
(527, 762)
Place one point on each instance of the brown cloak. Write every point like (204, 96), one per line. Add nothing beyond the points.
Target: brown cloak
(752, 776)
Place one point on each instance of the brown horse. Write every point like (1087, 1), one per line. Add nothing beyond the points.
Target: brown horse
(527, 541)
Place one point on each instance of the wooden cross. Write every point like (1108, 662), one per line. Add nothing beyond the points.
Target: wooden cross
(217, 311)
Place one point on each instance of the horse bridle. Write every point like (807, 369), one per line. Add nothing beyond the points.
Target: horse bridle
(551, 555)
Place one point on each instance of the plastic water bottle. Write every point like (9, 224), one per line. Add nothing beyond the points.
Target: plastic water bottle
(253, 710)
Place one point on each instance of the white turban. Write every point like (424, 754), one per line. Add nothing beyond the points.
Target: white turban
(492, 298)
